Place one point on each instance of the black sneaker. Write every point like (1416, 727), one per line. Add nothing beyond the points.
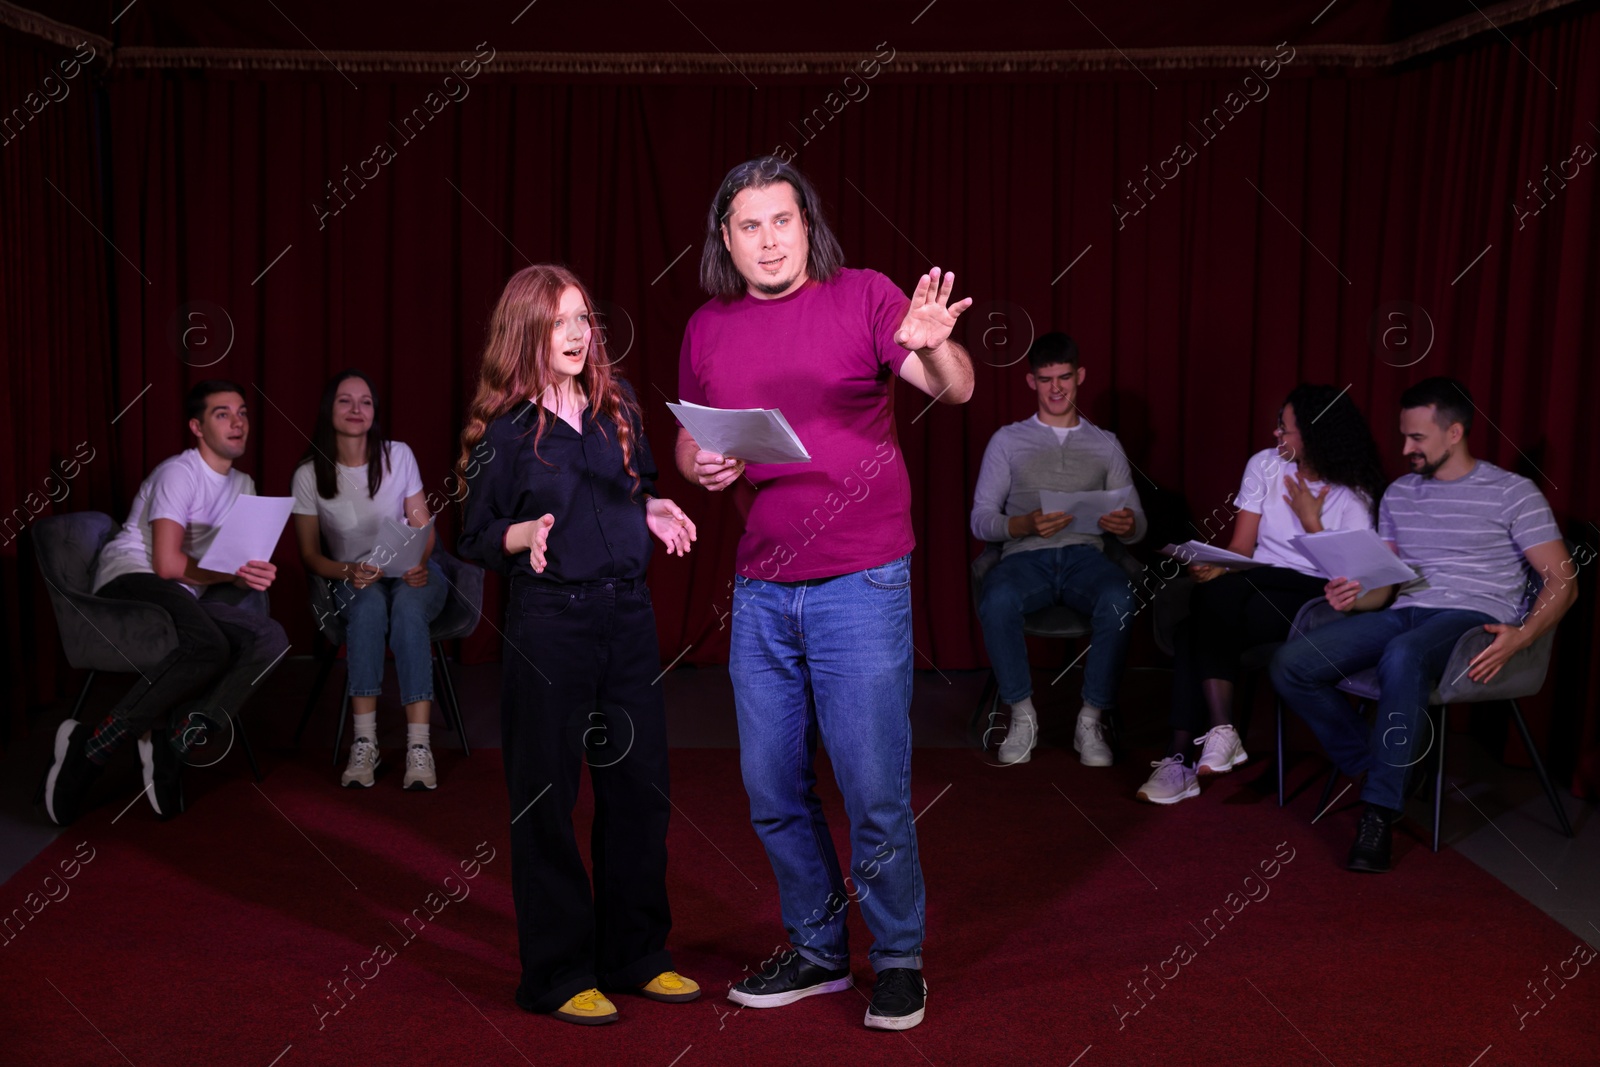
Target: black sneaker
(67, 781)
(898, 1000)
(1374, 836)
(161, 775)
(795, 979)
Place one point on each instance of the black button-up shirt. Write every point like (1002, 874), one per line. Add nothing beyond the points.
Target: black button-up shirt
(599, 529)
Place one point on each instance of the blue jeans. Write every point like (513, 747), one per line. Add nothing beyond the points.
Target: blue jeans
(831, 657)
(1078, 576)
(391, 608)
(1410, 647)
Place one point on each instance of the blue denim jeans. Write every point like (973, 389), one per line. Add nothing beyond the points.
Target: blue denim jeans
(391, 608)
(831, 658)
(1078, 576)
(1410, 647)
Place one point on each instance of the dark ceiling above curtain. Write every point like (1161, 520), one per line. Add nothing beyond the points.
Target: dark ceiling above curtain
(724, 39)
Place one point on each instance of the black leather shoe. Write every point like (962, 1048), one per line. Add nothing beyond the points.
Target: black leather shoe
(1374, 837)
(899, 999)
(789, 978)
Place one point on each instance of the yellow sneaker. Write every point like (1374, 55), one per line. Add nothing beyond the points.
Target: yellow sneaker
(671, 987)
(589, 1008)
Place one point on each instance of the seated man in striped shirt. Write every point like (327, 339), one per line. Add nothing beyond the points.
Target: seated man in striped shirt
(1482, 539)
(1043, 562)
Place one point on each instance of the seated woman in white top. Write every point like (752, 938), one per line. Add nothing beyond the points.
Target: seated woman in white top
(361, 496)
(1324, 474)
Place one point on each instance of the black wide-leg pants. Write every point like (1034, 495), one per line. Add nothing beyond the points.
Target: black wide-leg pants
(579, 686)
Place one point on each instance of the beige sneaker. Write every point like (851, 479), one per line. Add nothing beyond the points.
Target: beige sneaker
(363, 762)
(419, 768)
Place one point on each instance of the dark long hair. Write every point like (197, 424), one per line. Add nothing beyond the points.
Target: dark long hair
(325, 441)
(1338, 442)
(516, 366)
(718, 275)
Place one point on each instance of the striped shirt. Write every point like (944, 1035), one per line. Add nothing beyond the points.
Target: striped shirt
(1467, 538)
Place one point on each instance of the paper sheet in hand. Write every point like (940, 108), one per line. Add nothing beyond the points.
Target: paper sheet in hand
(399, 547)
(1359, 555)
(250, 531)
(1085, 508)
(755, 435)
(1200, 552)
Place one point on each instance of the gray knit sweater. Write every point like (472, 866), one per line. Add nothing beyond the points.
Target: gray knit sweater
(1024, 458)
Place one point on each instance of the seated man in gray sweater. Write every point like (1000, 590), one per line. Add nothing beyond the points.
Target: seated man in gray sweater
(1048, 558)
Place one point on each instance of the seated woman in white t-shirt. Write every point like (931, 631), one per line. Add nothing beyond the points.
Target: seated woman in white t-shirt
(354, 491)
(1324, 475)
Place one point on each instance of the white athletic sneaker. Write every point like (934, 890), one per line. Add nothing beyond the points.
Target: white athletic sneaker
(363, 761)
(1021, 737)
(1089, 742)
(1170, 783)
(419, 768)
(1223, 751)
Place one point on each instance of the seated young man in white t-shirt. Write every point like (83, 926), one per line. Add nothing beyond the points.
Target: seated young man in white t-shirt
(225, 649)
(351, 485)
(1325, 474)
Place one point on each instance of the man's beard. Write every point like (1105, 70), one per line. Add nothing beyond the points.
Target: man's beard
(1428, 470)
(776, 288)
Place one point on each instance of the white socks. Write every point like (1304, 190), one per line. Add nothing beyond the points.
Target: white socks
(1089, 714)
(1022, 713)
(366, 726)
(416, 734)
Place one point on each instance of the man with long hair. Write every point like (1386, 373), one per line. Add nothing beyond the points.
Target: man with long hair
(225, 647)
(1482, 539)
(821, 643)
(560, 498)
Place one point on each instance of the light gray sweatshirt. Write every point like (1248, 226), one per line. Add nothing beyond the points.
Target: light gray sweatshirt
(1024, 458)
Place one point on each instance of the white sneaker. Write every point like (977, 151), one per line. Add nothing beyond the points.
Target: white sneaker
(1089, 742)
(363, 762)
(1170, 783)
(419, 768)
(1223, 751)
(1021, 737)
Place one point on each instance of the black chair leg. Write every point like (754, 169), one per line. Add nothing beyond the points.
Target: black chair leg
(244, 743)
(977, 727)
(1538, 766)
(1280, 753)
(1438, 780)
(324, 668)
(452, 702)
(88, 683)
(338, 737)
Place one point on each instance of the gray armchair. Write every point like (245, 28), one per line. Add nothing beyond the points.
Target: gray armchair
(98, 634)
(1057, 621)
(1523, 676)
(459, 618)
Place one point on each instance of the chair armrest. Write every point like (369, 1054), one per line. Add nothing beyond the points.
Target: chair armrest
(1522, 676)
(102, 634)
(324, 608)
(464, 608)
(1313, 614)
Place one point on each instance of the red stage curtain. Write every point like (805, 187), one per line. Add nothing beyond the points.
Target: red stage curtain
(56, 451)
(1265, 260)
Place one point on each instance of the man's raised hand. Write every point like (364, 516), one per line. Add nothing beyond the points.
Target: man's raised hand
(930, 318)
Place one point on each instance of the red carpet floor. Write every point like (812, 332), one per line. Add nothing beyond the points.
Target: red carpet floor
(214, 938)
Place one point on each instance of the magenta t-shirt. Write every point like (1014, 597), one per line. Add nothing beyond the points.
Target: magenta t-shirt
(826, 357)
